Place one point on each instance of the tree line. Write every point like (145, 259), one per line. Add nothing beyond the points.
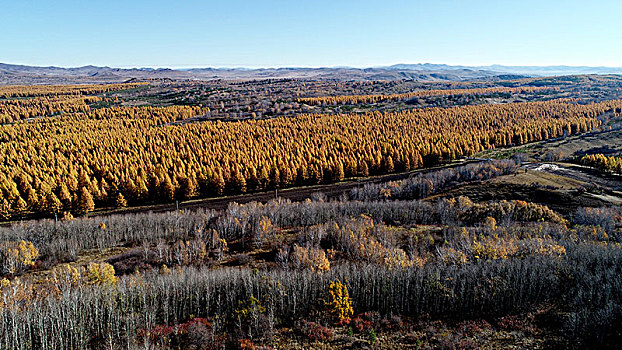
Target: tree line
(603, 163)
(14, 110)
(420, 186)
(17, 91)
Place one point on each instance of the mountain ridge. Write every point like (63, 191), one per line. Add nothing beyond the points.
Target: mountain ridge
(25, 74)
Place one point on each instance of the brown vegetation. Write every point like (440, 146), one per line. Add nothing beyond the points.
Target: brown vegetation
(354, 99)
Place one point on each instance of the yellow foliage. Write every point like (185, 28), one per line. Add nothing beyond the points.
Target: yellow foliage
(493, 247)
(490, 223)
(27, 253)
(385, 193)
(164, 270)
(541, 246)
(101, 274)
(311, 258)
(339, 304)
(398, 258)
(67, 275)
(16, 294)
(603, 163)
(18, 255)
(248, 308)
(358, 240)
(67, 216)
(496, 247)
(253, 154)
(451, 256)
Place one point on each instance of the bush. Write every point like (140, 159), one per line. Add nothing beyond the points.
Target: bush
(516, 323)
(196, 333)
(130, 262)
(314, 331)
(473, 327)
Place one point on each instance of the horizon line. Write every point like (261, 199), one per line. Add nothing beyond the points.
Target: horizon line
(258, 67)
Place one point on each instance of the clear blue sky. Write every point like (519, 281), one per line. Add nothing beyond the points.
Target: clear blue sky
(255, 33)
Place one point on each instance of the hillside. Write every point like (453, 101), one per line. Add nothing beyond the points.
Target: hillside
(11, 74)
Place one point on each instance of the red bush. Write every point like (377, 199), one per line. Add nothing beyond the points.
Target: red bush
(196, 331)
(314, 331)
(516, 323)
(473, 327)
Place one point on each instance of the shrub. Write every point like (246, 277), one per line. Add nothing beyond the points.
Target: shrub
(473, 327)
(392, 323)
(314, 331)
(130, 261)
(371, 320)
(246, 344)
(240, 259)
(360, 324)
(516, 323)
(196, 333)
(372, 336)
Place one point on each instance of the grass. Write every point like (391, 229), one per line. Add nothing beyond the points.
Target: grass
(567, 147)
(539, 178)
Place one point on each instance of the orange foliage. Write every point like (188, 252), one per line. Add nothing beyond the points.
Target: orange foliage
(58, 164)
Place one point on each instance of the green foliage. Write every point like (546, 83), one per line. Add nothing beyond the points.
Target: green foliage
(372, 336)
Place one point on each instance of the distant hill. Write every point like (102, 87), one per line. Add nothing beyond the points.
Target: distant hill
(520, 70)
(20, 74)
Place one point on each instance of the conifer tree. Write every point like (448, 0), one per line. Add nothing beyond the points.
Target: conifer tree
(120, 201)
(85, 202)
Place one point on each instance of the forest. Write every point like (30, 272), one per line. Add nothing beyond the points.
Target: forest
(119, 156)
(353, 99)
(474, 217)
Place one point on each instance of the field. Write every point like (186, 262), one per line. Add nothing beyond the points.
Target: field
(292, 213)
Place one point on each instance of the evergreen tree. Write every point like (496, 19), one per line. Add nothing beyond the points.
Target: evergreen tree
(85, 202)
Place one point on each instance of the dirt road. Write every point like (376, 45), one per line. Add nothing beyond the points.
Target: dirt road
(295, 194)
(579, 173)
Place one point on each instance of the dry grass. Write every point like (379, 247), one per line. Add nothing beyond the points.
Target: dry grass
(567, 147)
(528, 177)
(91, 256)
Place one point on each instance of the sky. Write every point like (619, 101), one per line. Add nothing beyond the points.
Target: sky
(301, 33)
